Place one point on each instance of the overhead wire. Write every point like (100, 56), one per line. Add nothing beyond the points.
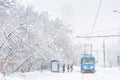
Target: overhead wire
(103, 31)
(96, 17)
(94, 23)
(105, 36)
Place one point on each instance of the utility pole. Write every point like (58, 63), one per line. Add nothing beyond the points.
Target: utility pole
(84, 48)
(104, 53)
(91, 49)
(97, 56)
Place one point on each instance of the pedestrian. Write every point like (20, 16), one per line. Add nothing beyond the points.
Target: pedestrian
(71, 67)
(68, 67)
(63, 68)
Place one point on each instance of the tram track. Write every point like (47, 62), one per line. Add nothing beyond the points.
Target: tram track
(96, 77)
(92, 76)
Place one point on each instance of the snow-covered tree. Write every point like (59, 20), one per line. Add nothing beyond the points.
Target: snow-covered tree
(30, 39)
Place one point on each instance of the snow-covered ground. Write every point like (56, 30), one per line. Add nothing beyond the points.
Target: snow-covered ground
(101, 74)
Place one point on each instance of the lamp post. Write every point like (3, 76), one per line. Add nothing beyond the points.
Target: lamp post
(116, 11)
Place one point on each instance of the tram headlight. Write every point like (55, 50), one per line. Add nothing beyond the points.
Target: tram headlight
(91, 67)
(85, 67)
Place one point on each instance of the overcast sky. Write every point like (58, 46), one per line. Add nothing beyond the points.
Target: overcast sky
(80, 14)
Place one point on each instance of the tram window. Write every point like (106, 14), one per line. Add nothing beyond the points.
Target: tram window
(88, 60)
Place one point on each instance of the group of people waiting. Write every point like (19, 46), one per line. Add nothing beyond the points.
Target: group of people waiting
(69, 67)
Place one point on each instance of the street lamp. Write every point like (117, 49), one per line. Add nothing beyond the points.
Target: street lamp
(116, 11)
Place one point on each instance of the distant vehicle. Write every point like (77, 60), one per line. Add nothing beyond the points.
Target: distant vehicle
(87, 64)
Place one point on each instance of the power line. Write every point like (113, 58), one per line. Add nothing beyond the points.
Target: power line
(103, 31)
(98, 36)
(98, 10)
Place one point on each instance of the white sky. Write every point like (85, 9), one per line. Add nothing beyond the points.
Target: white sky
(81, 13)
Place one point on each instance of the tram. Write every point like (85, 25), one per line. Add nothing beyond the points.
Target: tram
(87, 64)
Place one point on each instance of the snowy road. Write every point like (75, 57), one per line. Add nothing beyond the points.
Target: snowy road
(89, 77)
(101, 74)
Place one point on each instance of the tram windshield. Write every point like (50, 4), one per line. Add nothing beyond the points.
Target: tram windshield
(88, 60)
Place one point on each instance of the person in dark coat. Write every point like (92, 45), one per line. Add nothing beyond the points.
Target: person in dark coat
(63, 68)
(71, 67)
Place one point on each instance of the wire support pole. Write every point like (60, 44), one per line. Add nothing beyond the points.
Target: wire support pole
(104, 53)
